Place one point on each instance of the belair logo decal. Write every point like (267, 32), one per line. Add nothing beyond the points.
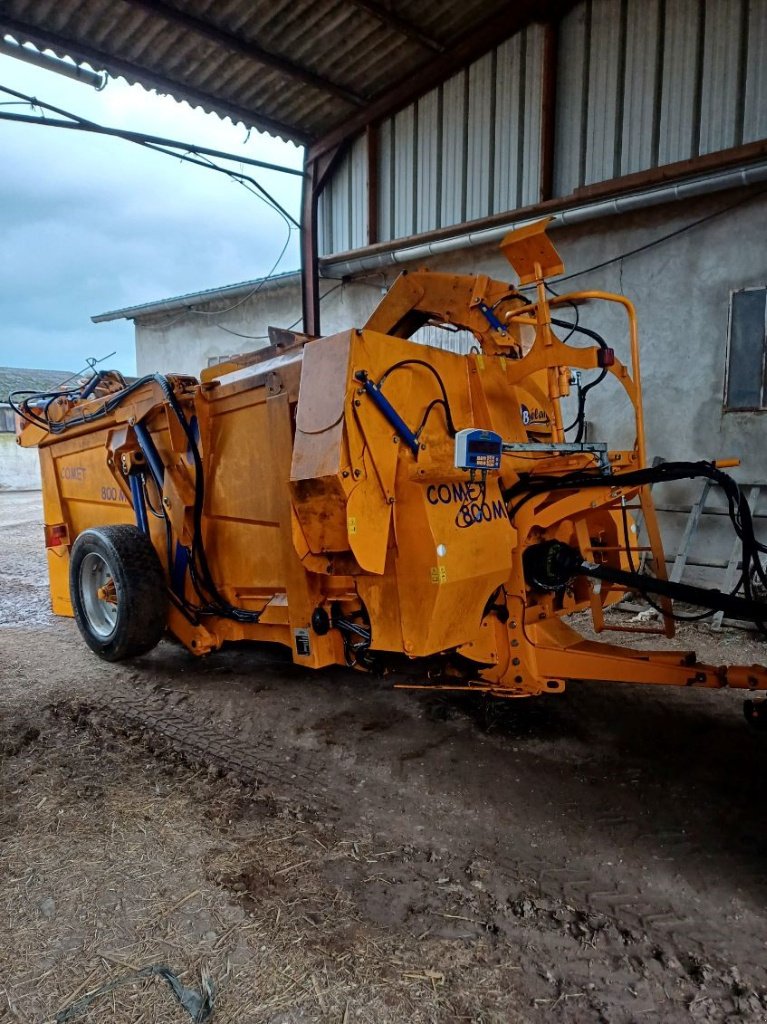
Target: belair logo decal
(533, 415)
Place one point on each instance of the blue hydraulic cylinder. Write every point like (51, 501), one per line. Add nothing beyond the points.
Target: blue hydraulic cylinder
(151, 454)
(139, 505)
(389, 412)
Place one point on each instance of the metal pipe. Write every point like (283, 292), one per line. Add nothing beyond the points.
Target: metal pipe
(699, 186)
(9, 46)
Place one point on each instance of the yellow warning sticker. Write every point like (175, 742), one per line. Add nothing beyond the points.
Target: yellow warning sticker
(351, 523)
(438, 574)
(480, 361)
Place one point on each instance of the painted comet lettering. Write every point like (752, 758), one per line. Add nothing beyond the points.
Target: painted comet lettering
(473, 505)
(73, 473)
(445, 494)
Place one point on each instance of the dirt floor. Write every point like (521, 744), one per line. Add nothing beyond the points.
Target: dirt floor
(326, 848)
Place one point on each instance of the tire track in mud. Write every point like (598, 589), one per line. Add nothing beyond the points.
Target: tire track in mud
(171, 731)
(675, 925)
(659, 926)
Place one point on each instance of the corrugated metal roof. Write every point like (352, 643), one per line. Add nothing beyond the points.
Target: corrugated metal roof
(228, 292)
(13, 378)
(297, 68)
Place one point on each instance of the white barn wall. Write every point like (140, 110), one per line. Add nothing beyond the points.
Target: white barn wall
(185, 342)
(19, 467)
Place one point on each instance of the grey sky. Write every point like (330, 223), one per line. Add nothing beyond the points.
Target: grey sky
(90, 224)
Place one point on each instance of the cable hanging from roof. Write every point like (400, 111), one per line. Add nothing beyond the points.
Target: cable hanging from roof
(170, 147)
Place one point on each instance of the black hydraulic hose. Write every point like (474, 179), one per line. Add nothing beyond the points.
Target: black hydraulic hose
(530, 485)
(219, 603)
(732, 606)
(581, 330)
(580, 418)
(676, 616)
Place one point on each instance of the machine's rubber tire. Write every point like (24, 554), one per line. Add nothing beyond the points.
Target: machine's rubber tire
(123, 558)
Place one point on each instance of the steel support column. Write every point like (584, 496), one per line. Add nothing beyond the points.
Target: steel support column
(317, 171)
(548, 108)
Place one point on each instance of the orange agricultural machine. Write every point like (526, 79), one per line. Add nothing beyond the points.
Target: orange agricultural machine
(368, 500)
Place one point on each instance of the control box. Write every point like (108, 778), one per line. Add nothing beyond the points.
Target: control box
(478, 449)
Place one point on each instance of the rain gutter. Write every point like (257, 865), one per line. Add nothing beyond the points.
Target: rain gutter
(692, 188)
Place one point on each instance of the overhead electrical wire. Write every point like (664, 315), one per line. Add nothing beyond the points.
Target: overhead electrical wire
(265, 337)
(90, 364)
(190, 311)
(142, 138)
(658, 241)
(182, 151)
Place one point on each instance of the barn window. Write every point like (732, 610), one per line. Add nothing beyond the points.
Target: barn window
(746, 387)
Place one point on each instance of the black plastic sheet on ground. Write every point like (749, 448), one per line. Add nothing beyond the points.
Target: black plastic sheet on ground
(199, 1005)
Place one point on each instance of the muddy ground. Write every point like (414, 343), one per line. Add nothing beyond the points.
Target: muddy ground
(327, 848)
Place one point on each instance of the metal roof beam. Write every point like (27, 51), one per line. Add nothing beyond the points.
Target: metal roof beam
(490, 33)
(248, 49)
(398, 24)
(151, 80)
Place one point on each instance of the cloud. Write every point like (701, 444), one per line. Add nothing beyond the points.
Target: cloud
(92, 223)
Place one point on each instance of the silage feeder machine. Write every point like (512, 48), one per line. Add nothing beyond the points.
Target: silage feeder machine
(368, 500)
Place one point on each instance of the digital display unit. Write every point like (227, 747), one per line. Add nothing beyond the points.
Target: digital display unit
(478, 449)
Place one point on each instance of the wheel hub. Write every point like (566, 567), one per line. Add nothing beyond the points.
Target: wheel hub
(99, 594)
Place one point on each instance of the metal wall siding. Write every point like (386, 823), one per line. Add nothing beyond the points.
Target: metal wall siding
(680, 72)
(342, 211)
(453, 188)
(721, 108)
(531, 88)
(458, 342)
(339, 199)
(405, 172)
(603, 88)
(641, 83)
(571, 90)
(324, 213)
(509, 143)
(358, 203)
(465, 150)
(641, 79)
(755, 106)
(480, 129)
(428, 147)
